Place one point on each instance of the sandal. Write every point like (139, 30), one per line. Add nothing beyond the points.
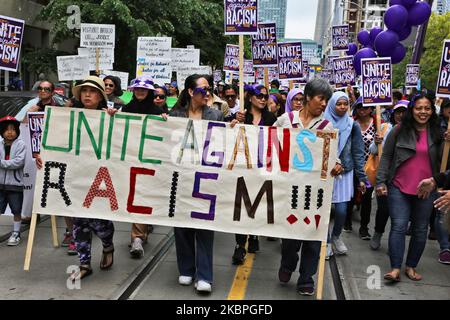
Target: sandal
(107, 258)
(83, 271)
(391, 276)
(412, 274)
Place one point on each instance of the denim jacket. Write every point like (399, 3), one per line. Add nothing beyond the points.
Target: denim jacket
(352, 156)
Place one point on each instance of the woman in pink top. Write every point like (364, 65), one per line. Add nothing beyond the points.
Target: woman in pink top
(412, 152)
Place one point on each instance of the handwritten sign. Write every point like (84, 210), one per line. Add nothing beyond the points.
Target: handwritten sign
(241, 17)
(160, 71)
(157, 48)
(11, 35)
(72, 67)
(231, 61)
(290, 60)
(183, 73)
(123, 76)
(412, 75)
(185, 57)
(376, 77)
(340, 37)
(443, 84)
(264, 46)
(247, 180)
(344, 73)
(105, 61)
(97, 35)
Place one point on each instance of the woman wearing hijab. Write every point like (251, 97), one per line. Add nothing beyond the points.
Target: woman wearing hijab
(294, 100)
(351, 155)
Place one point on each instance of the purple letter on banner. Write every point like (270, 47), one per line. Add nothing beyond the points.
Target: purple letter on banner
(11, 34)
(376, 75)
(206, 147)
(443, 85)
(241, 17)
(197, 194)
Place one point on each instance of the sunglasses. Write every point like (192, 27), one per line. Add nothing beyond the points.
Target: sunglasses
(160, 96)
(46, 89)
(203, 91)
(230, 97)
(262, 96)
(109, 85)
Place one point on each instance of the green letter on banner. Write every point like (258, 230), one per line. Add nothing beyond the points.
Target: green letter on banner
(44, 138)
(145, 136)
(97, 147)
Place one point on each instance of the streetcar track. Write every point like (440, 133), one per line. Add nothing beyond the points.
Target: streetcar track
(337, 281)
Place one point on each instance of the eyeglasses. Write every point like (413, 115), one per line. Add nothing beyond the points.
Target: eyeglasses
(262, 96)
(160, 96)
(298, 100)
(203, 91)
(46, 89)
(111, 85)
(230, 97)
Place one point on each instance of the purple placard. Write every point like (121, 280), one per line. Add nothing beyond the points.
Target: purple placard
(305, 77)
(329, 61)
(412, 75)
(249, 72)
(231, 62)
(376, 79)
(290, 61)
(11, 35)
(241, 17)
(264, 46)
(340, 37)
(326, 74)
(443, 84)
(35, 125)
(273, 73)
(344, 73)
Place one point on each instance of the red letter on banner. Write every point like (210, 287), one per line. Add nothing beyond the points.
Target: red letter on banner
(94, 191)
(131, 208)
(283, 154)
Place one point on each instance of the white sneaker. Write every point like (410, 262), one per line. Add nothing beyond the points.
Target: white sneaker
(203, 286)
(137, 251)
(14, 239)
(339, 245)
(329, 251)
(185, 280)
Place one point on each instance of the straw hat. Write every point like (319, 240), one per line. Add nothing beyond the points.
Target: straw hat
(91, 81)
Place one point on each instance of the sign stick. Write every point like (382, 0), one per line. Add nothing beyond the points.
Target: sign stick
(291, 84)
(97, 61)
(241, 72)
(266, 77)
(26, 266)
(54, 232)
(380, 146)
(321, 275)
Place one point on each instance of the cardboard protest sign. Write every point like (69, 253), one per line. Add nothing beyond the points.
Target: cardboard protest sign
(305, 77)
(183, 73)
(273, 73)
(105, 57)
(186, 173)
(35, 125)
(11, 35)
(184, 57)
(217, 75)
(412, 75)
(340, 37)
(443, 84)
(241, 17)
(343, 71)
(249, 72)
(264, 45)
(290, 60)
(157, 48)
(123, 76)
(72, 67)
(259, 74)
(329, 61)
(376, 78)
(97, 35)
(231, 60)
(327, 74)
(159, 71)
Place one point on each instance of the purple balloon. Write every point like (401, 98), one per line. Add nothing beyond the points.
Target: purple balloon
(362, 54)
(404, 33)
(394, 2)
(364, 37)
(385, 43)
(373, 33)
(398, 54)
(419, 13)
(408, 3)
(352, 49)
(396, 17)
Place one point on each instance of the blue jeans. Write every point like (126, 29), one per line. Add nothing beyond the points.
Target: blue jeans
(195, 253)
(340, 213)
(441, 231)
(309, 262)
(402, 207)
(14, 199)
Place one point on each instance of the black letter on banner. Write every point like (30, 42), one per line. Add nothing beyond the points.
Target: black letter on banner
(60, 185)
(242, 192)
(173, 194)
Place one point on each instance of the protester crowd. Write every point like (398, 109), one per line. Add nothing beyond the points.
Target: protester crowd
(406, 178)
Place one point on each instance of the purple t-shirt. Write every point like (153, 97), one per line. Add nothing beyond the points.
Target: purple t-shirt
(416, 168)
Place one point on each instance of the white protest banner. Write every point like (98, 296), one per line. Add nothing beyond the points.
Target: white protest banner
(231, 60)
(412, 75)
(183, 73)
(157, 48)
(185, 57)
(72, 67)
(11, 35)
(97, 35)
(105, 57)
(186, 173)
(159, 71)
(123, 76)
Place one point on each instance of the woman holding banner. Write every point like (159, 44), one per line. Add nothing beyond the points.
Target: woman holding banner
(411, 154)
(194, 246)
(113, 90)
(351, 155)
(311, 116)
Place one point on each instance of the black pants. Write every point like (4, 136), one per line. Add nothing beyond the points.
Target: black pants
(241, 239)
(366, 207)
(382, 215)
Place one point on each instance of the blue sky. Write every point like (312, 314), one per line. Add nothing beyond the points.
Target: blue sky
(301, 18)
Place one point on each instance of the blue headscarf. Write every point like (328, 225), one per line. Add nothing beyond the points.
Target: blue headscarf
(290, 97)
(344, 123)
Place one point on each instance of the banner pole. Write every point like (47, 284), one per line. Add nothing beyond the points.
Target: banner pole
(380, 146)
(54, 232)
(97, 61)
(241, 73)
(321, 275)
(29, 250)
(291, 84)
(266, 77)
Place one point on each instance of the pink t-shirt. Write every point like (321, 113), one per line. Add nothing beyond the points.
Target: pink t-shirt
(416, 168)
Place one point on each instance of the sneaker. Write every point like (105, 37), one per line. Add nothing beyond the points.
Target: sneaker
(364, 235)
(14, 239)
(137, 251)
(68, 238)
(444, 256)
(239, 255)
(329, 251)
(284, 276)
(347, 228)
(375, 242)
(253, 244)
(203, 286)
(185, 280)
(72, 249)
(339, 246)
(306, 291)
